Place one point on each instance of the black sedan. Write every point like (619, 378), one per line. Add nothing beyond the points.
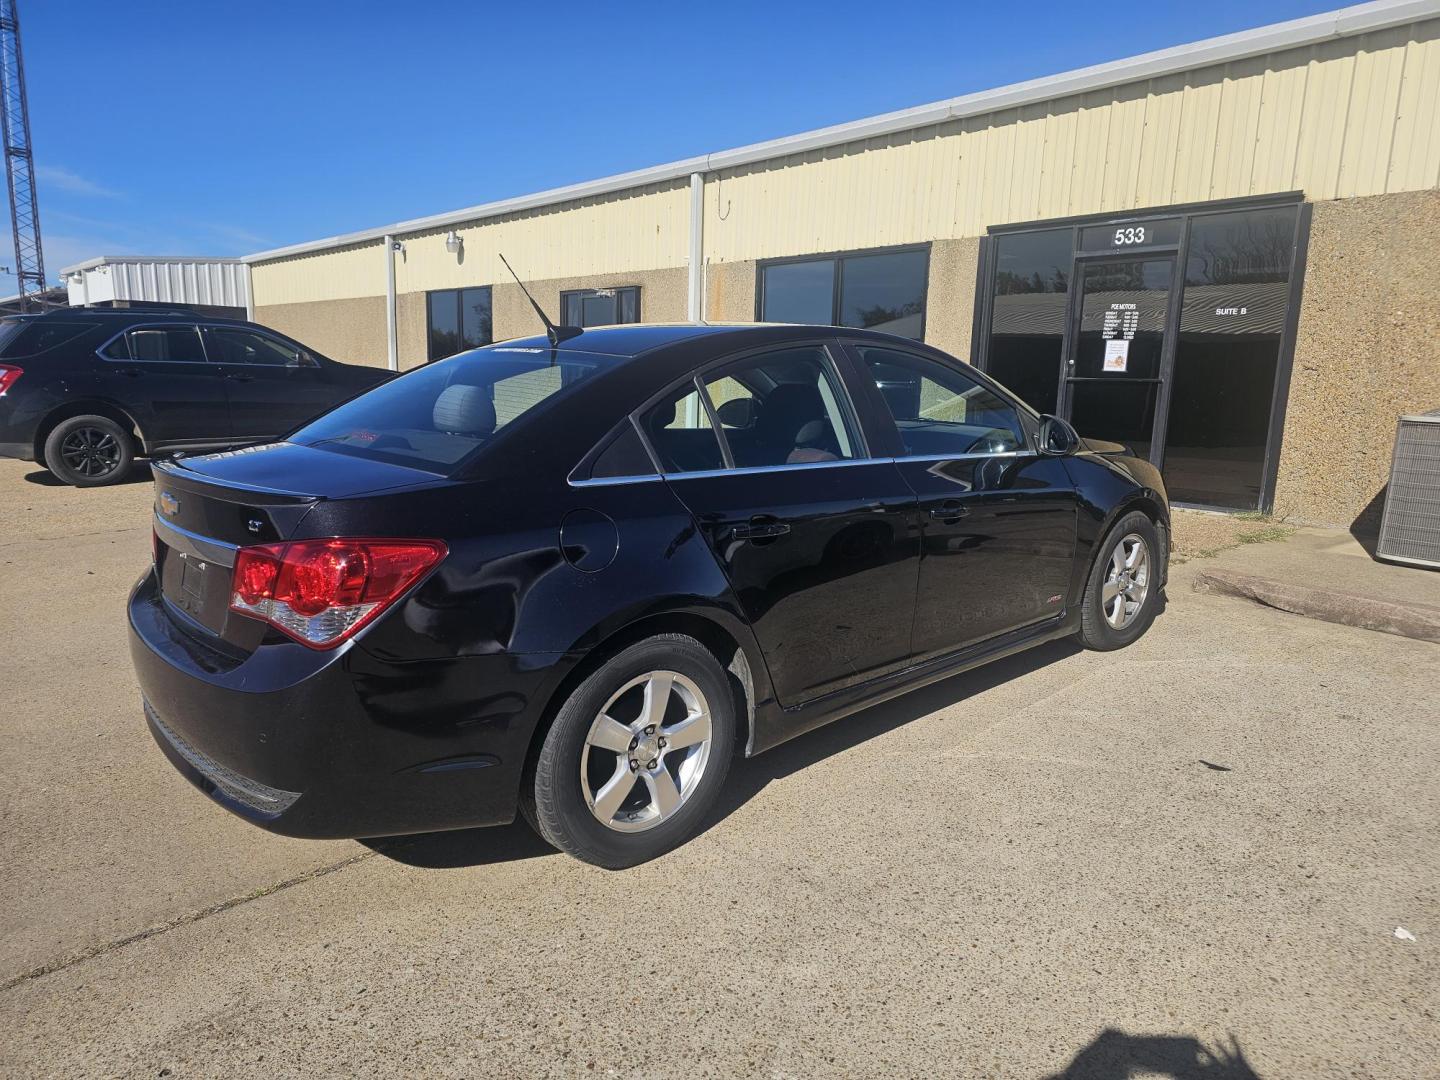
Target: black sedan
(85, 391)
(577, 580)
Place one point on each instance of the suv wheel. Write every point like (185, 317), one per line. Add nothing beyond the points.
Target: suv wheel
(1123, 590)
(89, 451)
(637, 754)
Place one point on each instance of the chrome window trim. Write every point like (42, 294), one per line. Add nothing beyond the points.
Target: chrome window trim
(205, 358)
(753, 469)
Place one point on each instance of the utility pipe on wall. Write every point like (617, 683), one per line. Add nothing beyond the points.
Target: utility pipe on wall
(245, 279)
(696, 308)
(391, 339)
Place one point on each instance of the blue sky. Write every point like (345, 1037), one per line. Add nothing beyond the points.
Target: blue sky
(223, 128)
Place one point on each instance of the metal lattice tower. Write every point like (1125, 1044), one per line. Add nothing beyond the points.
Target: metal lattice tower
(19, 164)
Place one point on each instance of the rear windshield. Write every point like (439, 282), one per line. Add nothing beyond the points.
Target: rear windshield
(434, 417)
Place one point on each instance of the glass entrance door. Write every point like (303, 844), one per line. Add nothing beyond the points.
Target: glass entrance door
(1116, 367)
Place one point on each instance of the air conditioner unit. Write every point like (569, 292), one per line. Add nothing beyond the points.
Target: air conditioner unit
(1410, 528)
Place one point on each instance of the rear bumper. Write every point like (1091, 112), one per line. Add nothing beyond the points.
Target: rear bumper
(329, 745)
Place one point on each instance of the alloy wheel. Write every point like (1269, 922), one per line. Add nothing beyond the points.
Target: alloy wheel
(646, 751)
(90, 451)
(1127, 581)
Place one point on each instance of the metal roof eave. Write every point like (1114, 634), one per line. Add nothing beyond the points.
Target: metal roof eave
(1313, 29)
(102, 260)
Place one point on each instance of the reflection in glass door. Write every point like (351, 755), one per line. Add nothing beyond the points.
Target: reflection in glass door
(1114, 376)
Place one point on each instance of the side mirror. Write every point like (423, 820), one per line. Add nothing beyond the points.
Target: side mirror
(1057, 438)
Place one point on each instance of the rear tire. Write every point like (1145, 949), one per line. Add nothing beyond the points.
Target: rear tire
(89, 451)
(637, 754)
(1122, 593)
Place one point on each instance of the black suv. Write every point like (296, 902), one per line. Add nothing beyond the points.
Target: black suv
(85, 391)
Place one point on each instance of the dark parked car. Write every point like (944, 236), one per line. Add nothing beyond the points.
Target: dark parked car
(85, 391)
(577, 580)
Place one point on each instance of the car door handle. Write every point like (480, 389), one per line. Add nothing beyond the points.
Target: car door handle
(239, 376)
(759, 529)
(949, 510)
(131, 373)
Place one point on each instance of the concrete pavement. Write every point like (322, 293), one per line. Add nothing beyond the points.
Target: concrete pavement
(1201, 844)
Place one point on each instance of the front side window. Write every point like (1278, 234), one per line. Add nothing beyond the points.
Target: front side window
(159, 344)
(236, 346)
(600, 307)
(458, 319)
(939, 410)
(884, 291)
(782, 408)
(436, 416)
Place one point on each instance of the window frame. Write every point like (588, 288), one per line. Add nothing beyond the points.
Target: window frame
(205, 357)
(307, 361)
(599, 289)
(838, 280)
(459, 291)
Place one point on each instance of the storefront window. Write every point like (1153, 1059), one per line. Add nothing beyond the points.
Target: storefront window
(884, 291)
(1237, 286)
(1027, 324)
(459, 319)
(600, 307)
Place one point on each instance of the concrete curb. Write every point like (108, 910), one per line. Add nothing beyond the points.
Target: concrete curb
(1419, 621)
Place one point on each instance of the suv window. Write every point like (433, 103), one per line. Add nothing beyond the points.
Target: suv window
(158, 344)
(939, 410)
(235, 345)
(28, 338)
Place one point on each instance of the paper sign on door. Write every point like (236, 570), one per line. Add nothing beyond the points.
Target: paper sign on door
(1117, 355)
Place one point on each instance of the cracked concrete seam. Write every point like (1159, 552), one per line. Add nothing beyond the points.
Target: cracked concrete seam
(50, 967)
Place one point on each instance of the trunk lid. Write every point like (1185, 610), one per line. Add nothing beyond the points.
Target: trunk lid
(206, 508)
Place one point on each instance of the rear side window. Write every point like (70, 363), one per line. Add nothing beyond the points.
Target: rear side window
(236, 346)
(681, 434)
(624, 456)
(434, 417)
(158, 344)
(36, 337)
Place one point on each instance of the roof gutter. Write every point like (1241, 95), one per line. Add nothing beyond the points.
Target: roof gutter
(1312, 30)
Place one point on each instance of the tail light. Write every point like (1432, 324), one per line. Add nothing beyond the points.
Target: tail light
(8, 374)
(321, 592)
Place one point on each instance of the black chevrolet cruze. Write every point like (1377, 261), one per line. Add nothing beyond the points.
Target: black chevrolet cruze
(577, 580)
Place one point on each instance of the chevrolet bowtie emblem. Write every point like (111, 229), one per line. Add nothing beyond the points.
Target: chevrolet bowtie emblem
(169, 505)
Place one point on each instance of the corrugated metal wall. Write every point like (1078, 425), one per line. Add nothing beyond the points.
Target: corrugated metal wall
(221, 284)
(1354, 116)
(644, 229)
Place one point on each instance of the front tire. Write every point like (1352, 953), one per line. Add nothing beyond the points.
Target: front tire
(1122, 593)
(89, 451)
(637, 754)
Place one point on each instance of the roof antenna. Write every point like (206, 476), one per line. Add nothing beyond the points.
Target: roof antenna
(556, 334)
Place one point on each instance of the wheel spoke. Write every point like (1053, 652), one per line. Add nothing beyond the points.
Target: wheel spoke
(610, 734)
(609, 797)
(657, 698)
(691, 730)
(1136, 552)
(663, 792)
(1117, 559)
(1109, 590)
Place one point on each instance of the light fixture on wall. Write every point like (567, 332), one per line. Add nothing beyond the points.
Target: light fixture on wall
(454, 242)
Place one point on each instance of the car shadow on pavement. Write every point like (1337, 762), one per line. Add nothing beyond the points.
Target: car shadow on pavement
(1115, 1055)
(139, 473)
(749, 776)
(463, 847)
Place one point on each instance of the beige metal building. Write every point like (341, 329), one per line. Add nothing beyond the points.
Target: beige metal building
(1223, 254)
